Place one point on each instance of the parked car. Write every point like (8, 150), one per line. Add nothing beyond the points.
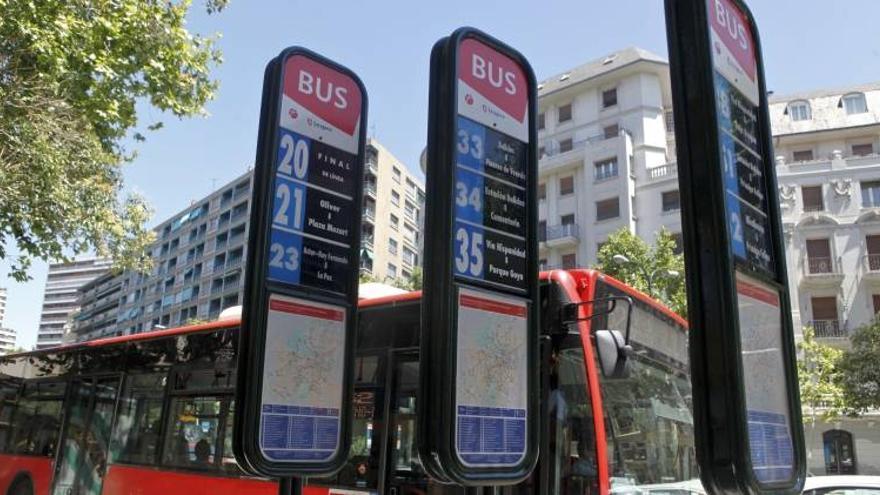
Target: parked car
(842, 485)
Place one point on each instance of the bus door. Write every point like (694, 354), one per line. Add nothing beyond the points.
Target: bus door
(82, 461)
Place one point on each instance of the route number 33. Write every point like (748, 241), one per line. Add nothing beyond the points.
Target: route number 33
(469, 258)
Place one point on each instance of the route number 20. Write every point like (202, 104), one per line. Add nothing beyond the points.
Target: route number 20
(469, 259)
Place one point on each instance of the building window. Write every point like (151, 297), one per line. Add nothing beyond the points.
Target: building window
(825, 322)
(670, 121)
(392, 246)
(872, 243)
(802, 155)
(875, 300)
(540, 122)
(671, 200)
(679, 243)
(566, 185)
(542, 151)
(609, 97)
(611, 131)
(565, 113)
(542, 230)
(871, 194)
(605, 169)
(566, 145)
(607, 209)
(840, 455)
(863, 149)
(542, 191)
(394, 221)
(395, 198)
(812, 196)
(567, 219)
(542, 264)
(854, 103)
(799, 110)
(569, 261)
(392, 270)
(819, 256)
(395, 174)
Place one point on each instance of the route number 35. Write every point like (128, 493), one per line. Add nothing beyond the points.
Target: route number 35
(469, 259)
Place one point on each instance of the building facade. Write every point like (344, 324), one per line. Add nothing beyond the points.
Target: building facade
(60, 298)
(827, 146)
(394, 200)
(7, 335)
(606, 156)
(200, 253)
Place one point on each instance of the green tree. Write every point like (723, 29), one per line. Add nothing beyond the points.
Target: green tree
(71, 75)
(860, 369)
(819, 379)
(656, 270)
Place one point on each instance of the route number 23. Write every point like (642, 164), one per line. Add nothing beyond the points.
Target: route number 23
(286, 259)
(469, 259)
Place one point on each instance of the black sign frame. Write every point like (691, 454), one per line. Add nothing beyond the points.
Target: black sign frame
(258, 287)
(717, 374)
(437, 391)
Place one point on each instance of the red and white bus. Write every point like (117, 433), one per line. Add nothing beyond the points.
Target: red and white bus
(152, 413)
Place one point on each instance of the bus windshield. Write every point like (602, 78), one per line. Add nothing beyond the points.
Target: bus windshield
(648, 414)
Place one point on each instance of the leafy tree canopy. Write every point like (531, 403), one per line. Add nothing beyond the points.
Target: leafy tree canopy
(71, 74)
(656, 270)
(860, 369)
(819, 379)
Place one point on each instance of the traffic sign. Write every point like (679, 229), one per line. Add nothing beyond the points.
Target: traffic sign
(479, 340)
(301, 280)
(743, 362)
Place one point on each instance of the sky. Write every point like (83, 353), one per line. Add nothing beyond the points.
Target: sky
(808, 44)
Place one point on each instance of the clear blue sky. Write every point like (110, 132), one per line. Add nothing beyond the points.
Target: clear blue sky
(808, 44)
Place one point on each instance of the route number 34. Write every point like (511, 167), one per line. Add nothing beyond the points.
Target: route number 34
(469, 258)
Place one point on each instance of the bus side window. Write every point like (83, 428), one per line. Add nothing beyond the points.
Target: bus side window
(193, 431)
(36, 421)
(8, 397)
(139, 420)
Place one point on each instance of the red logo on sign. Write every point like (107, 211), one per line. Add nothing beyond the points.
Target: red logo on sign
(729, 22)
(330, 95)
(495, 76)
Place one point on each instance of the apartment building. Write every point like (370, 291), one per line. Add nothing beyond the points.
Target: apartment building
(7, 335)
(606, 156)
(60, 297)
(394, 199)
(827, 147)
(200, 253)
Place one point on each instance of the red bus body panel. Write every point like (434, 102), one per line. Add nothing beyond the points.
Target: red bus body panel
(38, 469)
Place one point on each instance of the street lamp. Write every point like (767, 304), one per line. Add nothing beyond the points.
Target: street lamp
(649, 276)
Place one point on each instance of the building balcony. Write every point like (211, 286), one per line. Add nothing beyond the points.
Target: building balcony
(370, 190)
(828, 329)
(367, 242)
(822, 272)
(665, 171)
(370, 215)
(872, 267)
(557, 236)
(372, 167)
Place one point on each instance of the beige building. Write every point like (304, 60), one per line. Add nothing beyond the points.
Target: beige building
(391, 237)
(7, 335)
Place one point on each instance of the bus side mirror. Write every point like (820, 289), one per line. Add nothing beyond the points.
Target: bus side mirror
(613, 352)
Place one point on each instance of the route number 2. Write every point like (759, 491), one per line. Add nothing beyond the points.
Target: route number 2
(469, 259)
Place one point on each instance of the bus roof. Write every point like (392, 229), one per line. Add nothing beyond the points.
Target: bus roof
(588, 275)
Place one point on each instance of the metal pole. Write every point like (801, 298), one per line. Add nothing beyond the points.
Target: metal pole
(290, 486)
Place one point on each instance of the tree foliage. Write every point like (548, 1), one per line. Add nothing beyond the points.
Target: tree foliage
(71, 75)
(859, 373)
(654, 269)
(819, 378)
